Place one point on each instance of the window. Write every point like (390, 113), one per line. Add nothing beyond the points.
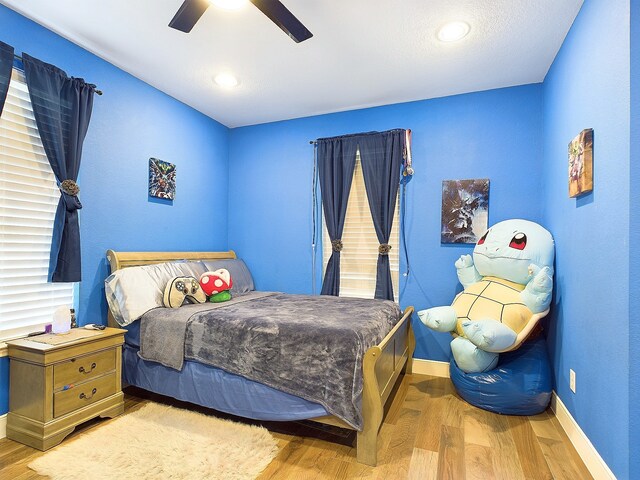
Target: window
(28, 199)
(359, 257)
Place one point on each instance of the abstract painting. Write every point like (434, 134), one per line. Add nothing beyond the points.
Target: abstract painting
(581, 163)
(465, 210)
(162, 179)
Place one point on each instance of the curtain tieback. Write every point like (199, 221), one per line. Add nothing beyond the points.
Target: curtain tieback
(336, 245)
(70, 191)
(384, 248)
(70, 187)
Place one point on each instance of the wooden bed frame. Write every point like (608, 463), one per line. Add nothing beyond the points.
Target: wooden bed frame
(382, 364)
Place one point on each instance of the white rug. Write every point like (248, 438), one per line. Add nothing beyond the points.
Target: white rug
(161, 442)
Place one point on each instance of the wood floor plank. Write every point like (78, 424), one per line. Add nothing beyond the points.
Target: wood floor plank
(429, 432)
(420, 390)
(455, 410)
(310, 464)
(544, 427)
(476, 430)
(336, 470)
(506, 464)
(560, 461)
(532, 460)
(451, 454)
(570, 449)
(423, 465)
(478, 462)
(396, 457)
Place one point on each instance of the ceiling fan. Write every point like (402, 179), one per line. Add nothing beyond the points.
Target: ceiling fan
(191, 11)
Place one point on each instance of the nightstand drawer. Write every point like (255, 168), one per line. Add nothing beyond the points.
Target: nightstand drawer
(83, 395)
(81, 369)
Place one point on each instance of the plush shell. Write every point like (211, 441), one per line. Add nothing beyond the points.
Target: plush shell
(492, 298)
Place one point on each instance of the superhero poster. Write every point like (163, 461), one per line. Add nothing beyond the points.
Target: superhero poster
(162, 179)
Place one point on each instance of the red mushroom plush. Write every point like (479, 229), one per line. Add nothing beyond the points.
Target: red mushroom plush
(217, 285)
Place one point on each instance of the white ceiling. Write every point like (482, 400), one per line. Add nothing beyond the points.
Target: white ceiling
(363, 53)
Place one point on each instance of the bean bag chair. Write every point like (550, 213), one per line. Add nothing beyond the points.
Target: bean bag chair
(519, 385)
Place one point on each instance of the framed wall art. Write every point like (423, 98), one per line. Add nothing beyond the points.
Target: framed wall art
(162, 179)
(465, 210)
(581, 163)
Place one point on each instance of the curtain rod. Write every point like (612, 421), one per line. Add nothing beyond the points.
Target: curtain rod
(92, 85)
(315, 142)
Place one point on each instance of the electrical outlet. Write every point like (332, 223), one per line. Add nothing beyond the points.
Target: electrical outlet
(572, 380)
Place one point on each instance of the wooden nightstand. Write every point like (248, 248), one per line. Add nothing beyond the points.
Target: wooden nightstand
(54, 388)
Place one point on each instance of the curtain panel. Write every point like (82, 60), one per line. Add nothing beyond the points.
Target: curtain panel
(381, 155)
(62, 108)
(336, 163)
(6, 65)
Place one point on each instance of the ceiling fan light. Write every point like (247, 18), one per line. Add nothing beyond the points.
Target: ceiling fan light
(229, 4)
(453, 31)
(226, 80)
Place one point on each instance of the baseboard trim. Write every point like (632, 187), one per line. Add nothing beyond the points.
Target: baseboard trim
(431, 367)
(3, 426)
(590, 456)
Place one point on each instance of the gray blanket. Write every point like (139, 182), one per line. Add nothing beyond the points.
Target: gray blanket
(309, 346)
(163, 330)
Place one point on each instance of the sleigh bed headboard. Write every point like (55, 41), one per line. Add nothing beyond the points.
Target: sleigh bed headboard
(119, 260)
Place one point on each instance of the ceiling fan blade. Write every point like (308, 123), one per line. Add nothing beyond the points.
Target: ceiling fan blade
(282, 17)
(188, 14)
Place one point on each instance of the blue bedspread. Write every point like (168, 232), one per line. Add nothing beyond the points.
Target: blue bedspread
(214, 388)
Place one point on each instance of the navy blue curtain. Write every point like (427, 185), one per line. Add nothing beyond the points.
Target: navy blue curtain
(62, 108)
(382, 161)
(336, 162)
(6, 64)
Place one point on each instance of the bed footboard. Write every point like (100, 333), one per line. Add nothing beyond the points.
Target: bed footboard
(381, 367)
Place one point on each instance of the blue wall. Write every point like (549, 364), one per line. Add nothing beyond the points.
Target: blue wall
(4, 385)
(634, 245)
(493, 134)
(132, 122)
(517, 137)
(588, 87)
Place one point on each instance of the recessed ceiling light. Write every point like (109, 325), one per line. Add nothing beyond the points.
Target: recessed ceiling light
(226, 80)
(229, 4)
(453, 31)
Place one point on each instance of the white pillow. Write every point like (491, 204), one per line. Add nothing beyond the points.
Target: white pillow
(132, 292)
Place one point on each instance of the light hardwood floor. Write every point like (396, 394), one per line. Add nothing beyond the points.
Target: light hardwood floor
(428, 433)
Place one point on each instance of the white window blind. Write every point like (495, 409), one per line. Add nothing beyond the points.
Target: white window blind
(28, 199)
(359, 256)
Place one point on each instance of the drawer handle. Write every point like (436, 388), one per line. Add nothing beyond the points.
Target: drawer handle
(82, 370)
(93, 392)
